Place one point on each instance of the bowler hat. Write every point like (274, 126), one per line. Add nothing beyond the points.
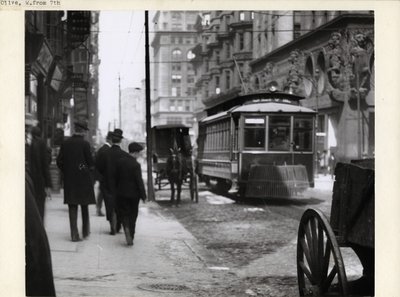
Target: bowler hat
(134, 147)
(82, 125)
(117, 133)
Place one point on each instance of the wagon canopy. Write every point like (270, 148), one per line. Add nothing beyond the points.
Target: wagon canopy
(169, 136)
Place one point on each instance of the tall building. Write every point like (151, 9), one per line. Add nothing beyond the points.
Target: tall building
(325, 56)
(172, 76)
(133, 114)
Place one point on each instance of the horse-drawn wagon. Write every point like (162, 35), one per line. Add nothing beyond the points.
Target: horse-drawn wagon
(320, 265)
(172, 153)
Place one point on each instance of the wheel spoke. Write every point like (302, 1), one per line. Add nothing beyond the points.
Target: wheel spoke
(329, 279)
(306, 252)
(310, 247)
(327, 257)
(307, 272)
(317, 259)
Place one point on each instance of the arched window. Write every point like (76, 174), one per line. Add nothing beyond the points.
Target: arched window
(176, 54)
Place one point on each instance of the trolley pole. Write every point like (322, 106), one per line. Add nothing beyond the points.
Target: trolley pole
(150, 188)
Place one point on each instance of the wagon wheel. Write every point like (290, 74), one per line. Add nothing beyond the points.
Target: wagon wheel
(320, 267)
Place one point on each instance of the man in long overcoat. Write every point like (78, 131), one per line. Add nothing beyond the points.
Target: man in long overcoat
(99, 155)
(129, 189)
(76, 162)
(38, 269)
(38, 163)
(106, 168)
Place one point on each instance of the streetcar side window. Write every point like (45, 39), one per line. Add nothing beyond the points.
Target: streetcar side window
(279, 133)
(254, 133)
(302, 134)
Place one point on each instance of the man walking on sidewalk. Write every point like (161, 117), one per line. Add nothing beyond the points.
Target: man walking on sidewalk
(106, 168)
(76, 162)
(99, 155)
(130, 189)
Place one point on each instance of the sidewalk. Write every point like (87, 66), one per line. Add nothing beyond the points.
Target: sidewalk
(165, 256)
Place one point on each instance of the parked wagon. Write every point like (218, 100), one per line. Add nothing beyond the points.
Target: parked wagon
(165, 138)
(320, 266)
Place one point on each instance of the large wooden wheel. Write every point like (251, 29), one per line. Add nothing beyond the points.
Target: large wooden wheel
(320, 268)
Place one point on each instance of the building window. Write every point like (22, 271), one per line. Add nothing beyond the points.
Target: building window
(252, 15)
(228, 80)
(241, 16)
(206, 20)
(172, 105)
(173, 92)
(217, 57)
(165, 26)
(296, 31)
(228, 50)
(178, 92)
(189, 27)
(189, 67)
(190, 79)
(176, 78)
(176, 67)
(180, 105)
(180, 40)
(172, 40)
(176, 54)
(187, 106)
(241, 41)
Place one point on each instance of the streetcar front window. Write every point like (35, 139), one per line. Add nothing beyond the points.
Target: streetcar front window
(254, 133)
(279, 133)
(302, 134)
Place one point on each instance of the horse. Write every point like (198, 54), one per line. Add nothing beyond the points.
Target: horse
(176, 170)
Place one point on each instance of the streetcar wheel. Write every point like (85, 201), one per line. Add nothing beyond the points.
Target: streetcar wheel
(320, 267)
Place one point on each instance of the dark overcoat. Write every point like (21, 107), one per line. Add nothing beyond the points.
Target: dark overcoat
(38, 162)
(76, 162)
(38, 270)
(98, 160)
(129, 185)
(106, 167)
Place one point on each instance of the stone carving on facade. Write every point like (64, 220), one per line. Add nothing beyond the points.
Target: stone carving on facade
(348, 56)
(268, 75)
(336, 67)
(359, 53)
(294, 77)
(248, 82)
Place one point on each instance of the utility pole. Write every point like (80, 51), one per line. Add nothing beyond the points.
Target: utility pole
(149, 144)
(119, 100)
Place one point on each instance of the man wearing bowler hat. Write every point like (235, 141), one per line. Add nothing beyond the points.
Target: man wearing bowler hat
(106, 167)
(130, 190)
(76, 163)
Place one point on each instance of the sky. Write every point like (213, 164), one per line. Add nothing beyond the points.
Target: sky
(121, 51)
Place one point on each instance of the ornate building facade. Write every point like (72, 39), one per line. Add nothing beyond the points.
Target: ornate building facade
(325, 56)
(173, 98)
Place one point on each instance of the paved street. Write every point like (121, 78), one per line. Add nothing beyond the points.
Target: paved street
(213, 248)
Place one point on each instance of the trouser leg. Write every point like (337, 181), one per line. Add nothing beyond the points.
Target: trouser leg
(133, 219)
(73, 221)
(99, 202)
(85, 221)
(113, 223)
(127, 229)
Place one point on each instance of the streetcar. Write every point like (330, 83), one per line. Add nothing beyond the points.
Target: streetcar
(258, 145)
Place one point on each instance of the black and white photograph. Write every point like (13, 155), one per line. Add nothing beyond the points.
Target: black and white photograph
(193, 152)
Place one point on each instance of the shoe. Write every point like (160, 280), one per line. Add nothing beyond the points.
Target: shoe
(76, 239)
(86, 235)
(100, 213)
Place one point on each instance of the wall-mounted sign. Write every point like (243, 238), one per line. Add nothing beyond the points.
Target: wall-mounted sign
(56, 80)
(45, 57)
